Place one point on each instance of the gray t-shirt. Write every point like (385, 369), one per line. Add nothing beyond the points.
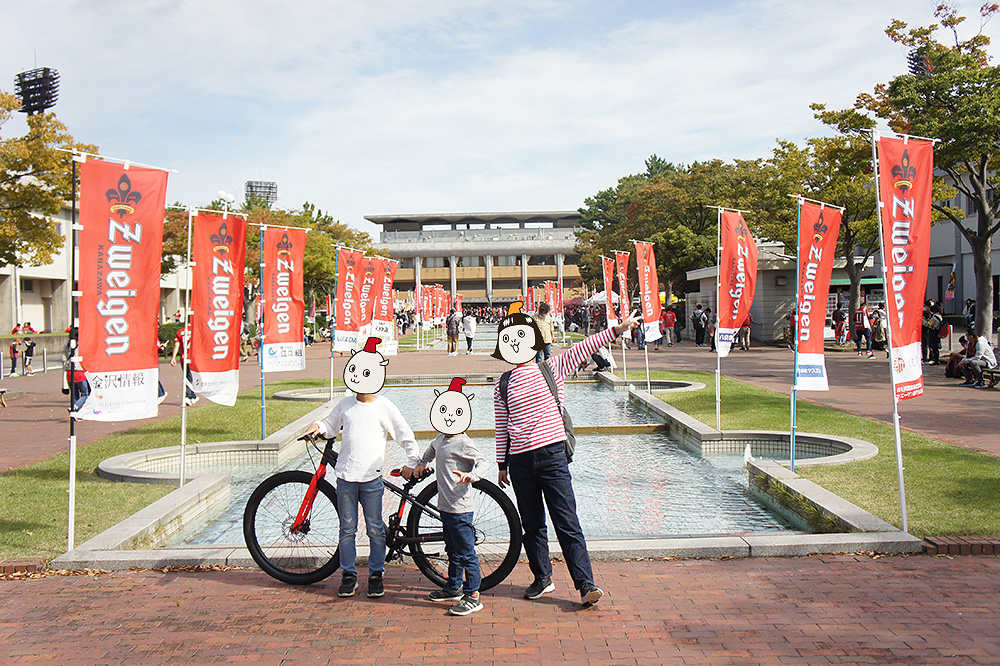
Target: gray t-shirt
(456, 453)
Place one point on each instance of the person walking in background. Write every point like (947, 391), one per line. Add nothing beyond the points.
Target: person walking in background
(933, 319)
(863, 330)
(15, 352)
(710, 322)
(698, 322)
(452, 324)
(469, 326)
(669, 321)
(743, 337)
(181, 341)
(29, 354)
(547, 328)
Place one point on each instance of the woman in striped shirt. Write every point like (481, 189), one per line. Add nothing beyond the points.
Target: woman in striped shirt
(530, 441)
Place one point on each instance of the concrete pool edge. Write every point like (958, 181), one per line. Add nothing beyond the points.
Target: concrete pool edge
(115, 548)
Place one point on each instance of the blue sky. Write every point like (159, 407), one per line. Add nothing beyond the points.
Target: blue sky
(445, 106)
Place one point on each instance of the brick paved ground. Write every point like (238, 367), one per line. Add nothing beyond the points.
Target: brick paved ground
(817, 610)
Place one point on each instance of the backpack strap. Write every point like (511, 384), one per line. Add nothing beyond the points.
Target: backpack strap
(504, 382)
(550, 379)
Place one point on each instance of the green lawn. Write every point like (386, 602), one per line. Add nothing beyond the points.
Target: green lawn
(34, 503)
(949, 490)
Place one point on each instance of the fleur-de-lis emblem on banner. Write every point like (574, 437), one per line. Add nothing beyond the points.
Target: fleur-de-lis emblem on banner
(285, 246)
(222, 239)
(904, 172)
(820, 228)
(122, 198)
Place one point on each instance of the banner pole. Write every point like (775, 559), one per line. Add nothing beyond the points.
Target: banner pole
(260, 332)
(332, 316)
(186, 342)
(795, 335)
(888, 342)
(718, 300)
(73, 343)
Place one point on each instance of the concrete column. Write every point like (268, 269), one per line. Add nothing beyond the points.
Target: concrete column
(489, 276)
(453, 274)
(416, 270)
(524, 275)
(559, 268)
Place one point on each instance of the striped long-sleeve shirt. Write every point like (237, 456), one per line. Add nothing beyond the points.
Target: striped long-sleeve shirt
(531, 416)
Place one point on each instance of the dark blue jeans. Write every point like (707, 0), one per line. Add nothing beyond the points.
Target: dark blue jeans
(541, 479)
(460, 544)
(369, 495)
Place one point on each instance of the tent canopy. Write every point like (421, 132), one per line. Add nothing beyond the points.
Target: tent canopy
(599, 298)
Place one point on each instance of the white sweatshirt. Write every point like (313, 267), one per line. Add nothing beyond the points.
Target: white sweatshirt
(366, 426)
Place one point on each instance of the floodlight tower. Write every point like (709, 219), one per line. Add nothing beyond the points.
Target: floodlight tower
(262, 190)
(38, 89)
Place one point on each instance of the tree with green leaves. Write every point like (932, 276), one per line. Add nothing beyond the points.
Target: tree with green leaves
(35, 182)
(953, 94)
(668, 205)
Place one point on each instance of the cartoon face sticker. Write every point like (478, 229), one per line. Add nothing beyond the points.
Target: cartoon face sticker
(516, 343)
(451, 411)
(365, 370)
(518, 337)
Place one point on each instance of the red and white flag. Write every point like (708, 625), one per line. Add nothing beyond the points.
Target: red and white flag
(218, 247)
(383, 314)
(370, 276)
(818, 229)
(348, 319)
(905, 175)
(649, 291)
(121, 243)
(283, 347)
(624, 304)
(609, 280)
(529, 305)
(458, 303)
(737, 278)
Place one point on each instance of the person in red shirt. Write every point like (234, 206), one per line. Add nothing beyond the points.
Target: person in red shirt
(668, 321)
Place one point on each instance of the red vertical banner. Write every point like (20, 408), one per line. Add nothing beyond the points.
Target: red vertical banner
(818, 229)
(121, 211)
(905, 175)
(559, 307)
(370, 276)
(529, 300)
(609, 280)
(624, 303)
(737, 278)
(382, 315)
(649, 291)
(458, 303)
(348, 316)
(218, 247)
(284, 302)
(329, 307)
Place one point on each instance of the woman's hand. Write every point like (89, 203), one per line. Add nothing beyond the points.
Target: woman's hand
(630, 323)
(502, 479)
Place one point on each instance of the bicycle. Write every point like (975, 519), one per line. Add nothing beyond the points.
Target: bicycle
(292, 529)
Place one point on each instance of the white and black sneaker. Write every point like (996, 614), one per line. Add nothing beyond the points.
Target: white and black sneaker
(445, 594)
(539, 587)
(348, 585)
(470, 603)
(590, 594)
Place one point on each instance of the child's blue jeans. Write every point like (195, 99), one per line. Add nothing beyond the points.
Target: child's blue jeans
(369, 495)
(460, 544)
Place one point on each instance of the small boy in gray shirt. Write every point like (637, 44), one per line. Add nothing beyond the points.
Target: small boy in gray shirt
(458, 464)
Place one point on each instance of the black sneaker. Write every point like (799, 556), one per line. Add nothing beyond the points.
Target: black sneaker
(590, 594)
(348, 585)
(470, 603)
(445, 594)
(375, 586)
(539, 587)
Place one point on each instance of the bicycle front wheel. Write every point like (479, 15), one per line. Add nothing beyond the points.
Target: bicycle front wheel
(301, 557)
(496, 523)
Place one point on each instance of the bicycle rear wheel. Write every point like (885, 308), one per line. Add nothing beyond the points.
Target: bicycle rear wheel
(301, 557)
(498, 534)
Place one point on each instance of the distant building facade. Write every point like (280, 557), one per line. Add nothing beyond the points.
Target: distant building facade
(489, 258)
